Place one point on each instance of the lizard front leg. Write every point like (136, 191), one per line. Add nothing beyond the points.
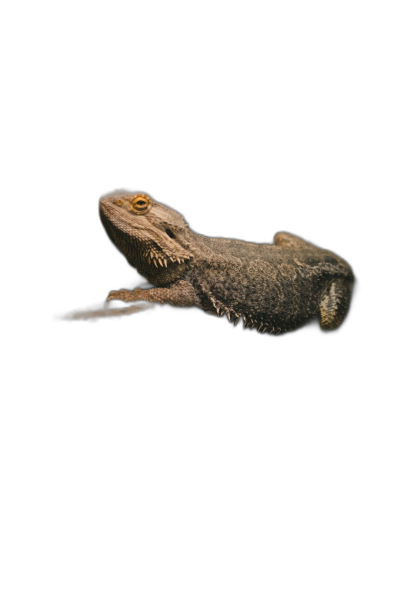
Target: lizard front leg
(181, 293)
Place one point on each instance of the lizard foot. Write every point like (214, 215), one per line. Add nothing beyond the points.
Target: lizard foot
(124, 295)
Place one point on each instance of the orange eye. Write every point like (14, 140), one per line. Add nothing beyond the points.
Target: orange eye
(119, 202)
(141, 203)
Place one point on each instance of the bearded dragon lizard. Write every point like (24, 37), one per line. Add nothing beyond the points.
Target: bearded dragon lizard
(273, 287)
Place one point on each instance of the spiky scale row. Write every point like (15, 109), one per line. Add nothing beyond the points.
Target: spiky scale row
(233, 316)
(157, 261)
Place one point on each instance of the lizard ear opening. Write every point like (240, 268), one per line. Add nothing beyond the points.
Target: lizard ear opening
(169, 233)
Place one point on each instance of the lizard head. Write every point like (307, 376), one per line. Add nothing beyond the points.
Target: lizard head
(150, 235)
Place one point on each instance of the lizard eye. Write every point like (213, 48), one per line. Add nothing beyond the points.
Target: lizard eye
(141, 203)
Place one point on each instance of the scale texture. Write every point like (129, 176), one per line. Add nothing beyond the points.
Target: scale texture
(273, 287)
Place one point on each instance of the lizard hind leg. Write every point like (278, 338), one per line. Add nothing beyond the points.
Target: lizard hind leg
(283, 239)
(334, 304)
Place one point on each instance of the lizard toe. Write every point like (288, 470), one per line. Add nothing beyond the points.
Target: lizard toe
(114, 296)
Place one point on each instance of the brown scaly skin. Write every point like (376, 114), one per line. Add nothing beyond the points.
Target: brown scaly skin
(273, 287)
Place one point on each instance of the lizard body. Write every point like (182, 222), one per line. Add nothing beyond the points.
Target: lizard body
(273, 287)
